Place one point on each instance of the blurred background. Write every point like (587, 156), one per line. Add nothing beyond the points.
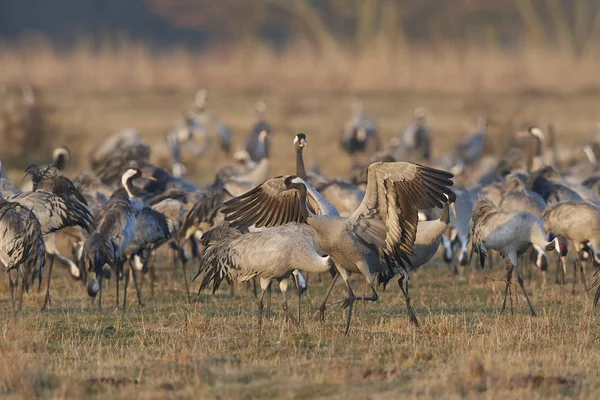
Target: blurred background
(97, 66)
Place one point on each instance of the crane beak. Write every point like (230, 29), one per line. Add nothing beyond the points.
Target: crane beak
(150, 178)
(453, 207)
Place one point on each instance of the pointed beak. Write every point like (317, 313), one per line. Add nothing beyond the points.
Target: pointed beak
(453, 207)
(150, 178)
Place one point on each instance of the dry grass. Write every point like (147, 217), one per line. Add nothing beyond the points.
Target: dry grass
(126, 64)
(210, 349)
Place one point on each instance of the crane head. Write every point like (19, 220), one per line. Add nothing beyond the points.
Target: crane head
(300, 141)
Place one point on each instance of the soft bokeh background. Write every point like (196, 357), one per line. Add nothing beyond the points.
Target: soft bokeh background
(100, 66)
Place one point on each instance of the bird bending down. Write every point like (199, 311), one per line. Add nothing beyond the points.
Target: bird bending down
(511, 233)
(579, 223)
(380, 232)
(267, 254)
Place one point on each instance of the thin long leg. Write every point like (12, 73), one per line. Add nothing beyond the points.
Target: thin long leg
(185, 279)
(575, 267)
(269, 290)
(100, 278)
(286, 308)
(22, 292)
(508, 278)
(254, 288)
(117, 279)
(152, 270)
(411, 314)
(349, 302)
(583, 278)
(137, 287)
(126, 276)
(299, 294)
(520, 280)
(324, 303)
(260, 310)
(50, 259)
(12, 295)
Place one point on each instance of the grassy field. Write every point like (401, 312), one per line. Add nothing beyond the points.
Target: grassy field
(210, 349)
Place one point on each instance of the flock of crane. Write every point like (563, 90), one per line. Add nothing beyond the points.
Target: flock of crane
(384, 220)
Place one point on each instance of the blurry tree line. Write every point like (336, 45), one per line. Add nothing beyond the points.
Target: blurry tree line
(572, 25)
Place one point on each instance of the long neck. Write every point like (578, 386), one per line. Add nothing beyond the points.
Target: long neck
(302, 193)
(538, 159)
(429, 231)
(128, 185)
(300, 171)
(61, 162)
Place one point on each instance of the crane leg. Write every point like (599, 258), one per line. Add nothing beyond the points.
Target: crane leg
(100, 278)
(126, 276)
(520, 280)
(575, 266)
(583, 278)
(283, 286)
(152, 270)
(185, 279)
(20, 307)
(324, 303)
(299, 294)
(411, 314)
(135, 283)
(12, 294)
(260, 310)
(50, 259)
(508, 278)
(349, 302)
(117, 279)
(269, 290)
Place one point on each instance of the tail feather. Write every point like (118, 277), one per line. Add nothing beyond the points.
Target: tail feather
(216, 263)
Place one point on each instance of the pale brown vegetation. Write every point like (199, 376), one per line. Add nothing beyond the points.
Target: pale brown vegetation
(210, 349)
(381, 67)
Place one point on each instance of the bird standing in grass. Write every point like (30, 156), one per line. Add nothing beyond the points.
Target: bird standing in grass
(380, 232)
(511, 233)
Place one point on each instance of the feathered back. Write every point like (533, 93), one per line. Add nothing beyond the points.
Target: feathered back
(95, 253)
(151, 230)
(23, 243)
(215, 262)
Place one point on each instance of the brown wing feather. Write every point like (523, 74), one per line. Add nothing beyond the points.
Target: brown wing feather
(395, 193)
(264, 205)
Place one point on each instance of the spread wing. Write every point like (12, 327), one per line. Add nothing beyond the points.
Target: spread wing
(266, 205)
(53, 212)
(388, 214)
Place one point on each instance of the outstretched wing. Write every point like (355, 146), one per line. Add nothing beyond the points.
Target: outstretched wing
(267, 205)
(388, 214)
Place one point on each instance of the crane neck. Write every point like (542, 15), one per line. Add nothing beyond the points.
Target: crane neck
(300, 170)
(128, 185)
(302, 194)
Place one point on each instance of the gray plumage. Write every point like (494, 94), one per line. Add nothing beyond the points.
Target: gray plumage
(511, 233)
(359, 134)
(416, 138)
(21, 242)
(266, 254)
(53, 212)
(382, 230)
(253, 147)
